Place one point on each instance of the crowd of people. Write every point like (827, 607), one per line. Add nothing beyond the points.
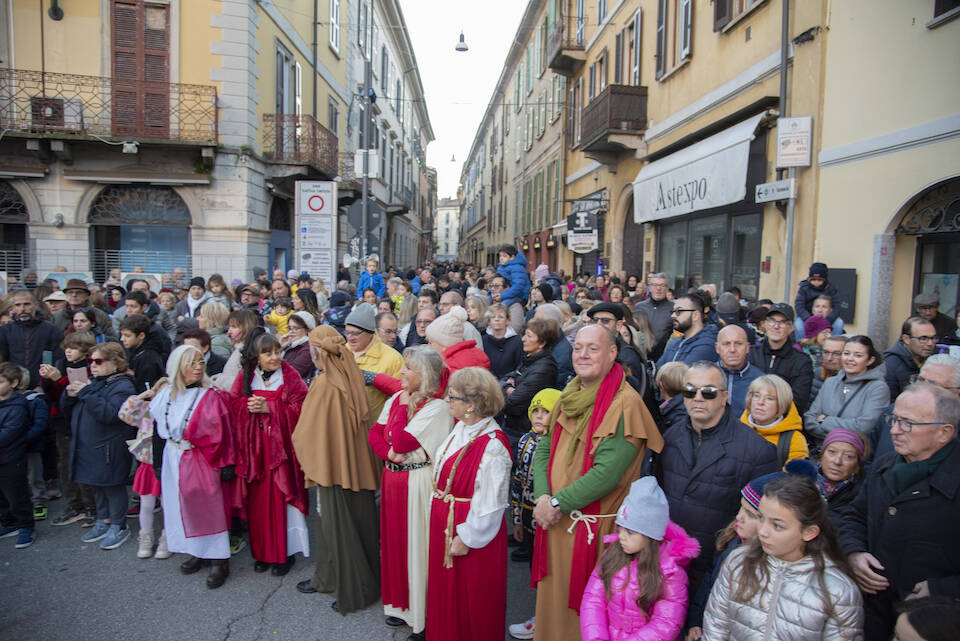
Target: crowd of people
(668, 464)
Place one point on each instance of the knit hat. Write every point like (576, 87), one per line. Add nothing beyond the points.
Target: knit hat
(814, 325)
(339, 299)
(545, 398)
(727, 304)
(307, 319)
(236, 282)
(843, 435)
(818, 270)
(546, 290)
(447, 330)
(541, 272)
(645, 509)
(363, 316)
(292, 274)
(752, 492)
(197, 281)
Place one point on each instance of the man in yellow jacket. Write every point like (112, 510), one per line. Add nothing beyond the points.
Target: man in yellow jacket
(371, 353)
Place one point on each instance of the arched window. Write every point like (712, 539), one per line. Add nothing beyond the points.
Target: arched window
(139, 205)
(13, 230)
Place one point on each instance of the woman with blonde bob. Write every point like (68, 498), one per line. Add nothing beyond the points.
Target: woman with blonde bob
(770, 411)
(467, 587)
(411, 427)
(194, 455)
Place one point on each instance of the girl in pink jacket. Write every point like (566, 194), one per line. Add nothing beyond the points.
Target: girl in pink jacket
(638, 591)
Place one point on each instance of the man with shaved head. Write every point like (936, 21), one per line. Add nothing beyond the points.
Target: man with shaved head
(733, 348)
(598, 434)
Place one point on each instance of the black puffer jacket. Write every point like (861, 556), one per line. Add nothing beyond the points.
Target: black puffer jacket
(15, 423)
(807, 293)
(900, 367)
(148, 361)
(788, 363)
(504, 353)
(24, 342)
(536, 372)
(702, 476)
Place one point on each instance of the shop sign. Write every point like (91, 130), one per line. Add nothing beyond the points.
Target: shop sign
(793, 141)
(582, 230)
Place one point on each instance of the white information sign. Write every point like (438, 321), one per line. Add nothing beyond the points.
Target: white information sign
(794, 136)
(316, 235)
(776, 190)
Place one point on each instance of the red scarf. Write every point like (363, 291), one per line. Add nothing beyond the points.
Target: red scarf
(584, 553)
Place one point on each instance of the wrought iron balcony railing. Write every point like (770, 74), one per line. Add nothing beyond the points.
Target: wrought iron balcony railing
(565, 49)
(619, 109)
(289, 138)
(74, 105)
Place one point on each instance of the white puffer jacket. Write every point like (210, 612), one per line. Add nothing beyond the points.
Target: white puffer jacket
(792, 606)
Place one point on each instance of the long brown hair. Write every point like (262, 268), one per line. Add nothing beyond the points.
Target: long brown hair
(649, 577)
(800, 495)
(726, 535)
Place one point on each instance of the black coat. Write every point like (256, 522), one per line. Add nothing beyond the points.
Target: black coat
(15, 423)
(791, 365)
(504, 353)
(148, 361)
(536, 372)
(702, 478)
(900, 367)
(673, 413)
(24, 342)
(98, 449)
(913, 535)
(807, 293)
(215, 363)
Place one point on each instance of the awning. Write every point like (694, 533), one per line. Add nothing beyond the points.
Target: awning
(711, 173)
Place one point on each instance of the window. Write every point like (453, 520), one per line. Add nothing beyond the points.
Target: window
(531, 53)
(363, 15)
(674, 34)
(398, 99)
(602, 72)
(516, 90)
(333, 116)
(618, 58)
(726, 10)
(601, 10)
(548, 190)
(557, 205)
(941, 7)
(335, 25)
(581, 21)
(384, 69)
(636, 36)
(592, 82)
(542, 104)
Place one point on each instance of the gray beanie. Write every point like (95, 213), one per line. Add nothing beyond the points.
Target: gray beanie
(363, 317)
(307, 319)
(645, 509)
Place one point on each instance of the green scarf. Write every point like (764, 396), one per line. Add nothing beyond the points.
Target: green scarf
(905, 475)
(578, 403)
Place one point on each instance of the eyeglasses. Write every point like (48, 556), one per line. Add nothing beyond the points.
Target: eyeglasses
(709, 392)
(832, 353)
(906, 425)
(924, 339)
(349, 334)
(198, 363)
(96, 361)
(677, 312)
(772, 322)
(451, 397)
(388, 332)
(602, 321)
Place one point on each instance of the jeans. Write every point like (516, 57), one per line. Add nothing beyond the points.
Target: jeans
(79, 497)
(111, 501)
(15, 508)
(798, 326)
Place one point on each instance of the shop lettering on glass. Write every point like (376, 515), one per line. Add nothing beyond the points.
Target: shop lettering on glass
(687, 193)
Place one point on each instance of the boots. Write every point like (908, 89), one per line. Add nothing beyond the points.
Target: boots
(191, 565)
(162, 551)
(219, 572)
(145, 548)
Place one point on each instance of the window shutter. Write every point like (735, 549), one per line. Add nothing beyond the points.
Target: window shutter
(335, 25)
(661, 38)
(298, 88)
(686, 26)
(637, 39)
(618, 59)
(721, 14)
(140, 69)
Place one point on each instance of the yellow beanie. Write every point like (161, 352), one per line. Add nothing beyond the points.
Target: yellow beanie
(545, 398)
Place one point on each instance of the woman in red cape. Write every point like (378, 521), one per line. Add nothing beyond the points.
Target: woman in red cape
(467, 571)
(265, 402)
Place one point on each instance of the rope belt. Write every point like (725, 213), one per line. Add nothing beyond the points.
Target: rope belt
(181, 444)
(587, 519)
(404, 467)
(449, 499)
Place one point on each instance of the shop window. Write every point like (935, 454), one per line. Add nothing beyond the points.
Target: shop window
(673, 255)
(745, 254)
(938, 269)
(708, 252)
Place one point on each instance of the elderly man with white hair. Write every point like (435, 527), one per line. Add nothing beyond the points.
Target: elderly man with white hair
(562, 350)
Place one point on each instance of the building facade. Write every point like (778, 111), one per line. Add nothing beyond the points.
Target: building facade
(446, 230)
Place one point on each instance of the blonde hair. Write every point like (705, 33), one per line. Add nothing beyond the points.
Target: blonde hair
(670, 377)
(112, 352)
(426, 362)
(481, 387)
(175, 364)
(780, 387)
(214, 313)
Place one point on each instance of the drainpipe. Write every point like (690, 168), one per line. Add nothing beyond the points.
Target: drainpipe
(315, 24)
(784, 113)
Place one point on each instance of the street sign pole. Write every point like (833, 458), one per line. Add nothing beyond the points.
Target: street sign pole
(365, 134)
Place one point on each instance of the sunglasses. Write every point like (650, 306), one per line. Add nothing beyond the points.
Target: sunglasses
(96, 361)
(709, 392)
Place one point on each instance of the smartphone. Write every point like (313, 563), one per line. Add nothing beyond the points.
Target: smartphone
(47, 357)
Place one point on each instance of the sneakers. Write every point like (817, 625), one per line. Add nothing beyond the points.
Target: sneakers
(162, 551)
(69, 516)
(25, 538)
(89, 518)
(115, 537)
(134, 511)
(8, 530)
(145, 545)
(98, 531)
(522, 630)
(237, 543)
(39, 512)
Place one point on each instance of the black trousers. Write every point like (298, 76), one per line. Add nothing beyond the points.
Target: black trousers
(16, 510)
(111, 503)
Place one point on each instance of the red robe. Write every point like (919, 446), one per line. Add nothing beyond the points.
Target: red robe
(268, 473)
(466, 602)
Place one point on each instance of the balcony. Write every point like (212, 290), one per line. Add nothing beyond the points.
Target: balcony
(615, 120)
(565, 51)
(300, 140)
(75, 106)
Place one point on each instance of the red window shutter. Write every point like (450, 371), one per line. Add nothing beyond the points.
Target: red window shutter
(141, 93)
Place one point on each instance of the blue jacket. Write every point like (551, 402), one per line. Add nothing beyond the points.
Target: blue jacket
(374, 282)
(699, 347)
(39, 419)
(515, 270)
(414, 282)
(563, 353)
(14, 425)
(738, 382)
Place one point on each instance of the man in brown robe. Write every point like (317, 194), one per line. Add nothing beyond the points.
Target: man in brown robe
(600, 429)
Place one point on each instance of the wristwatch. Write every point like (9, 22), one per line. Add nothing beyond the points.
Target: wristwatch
(554, 502)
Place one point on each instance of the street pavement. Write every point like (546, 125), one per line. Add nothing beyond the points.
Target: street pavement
(63, 589)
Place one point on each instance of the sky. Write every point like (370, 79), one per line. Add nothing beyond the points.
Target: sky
(458, 85)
